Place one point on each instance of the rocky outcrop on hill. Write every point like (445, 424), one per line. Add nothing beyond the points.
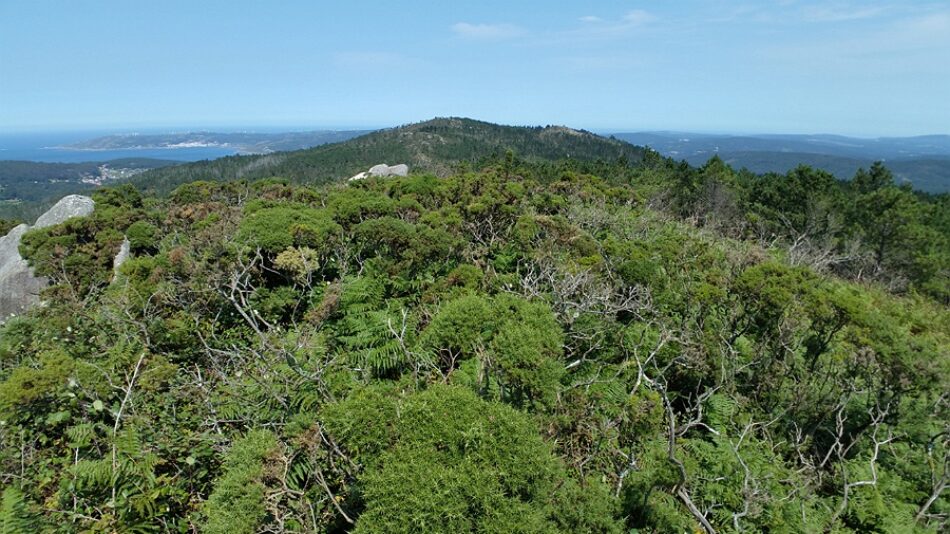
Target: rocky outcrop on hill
(19, 289)
(382, 170)
(67, 208)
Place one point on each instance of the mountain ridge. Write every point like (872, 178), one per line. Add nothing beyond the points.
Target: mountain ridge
(436, 146)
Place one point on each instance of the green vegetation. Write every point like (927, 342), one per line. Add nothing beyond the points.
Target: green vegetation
(609, 345)
(437, 146)
(237, 503)
(865, 229)
(923, 161)
(445, 460)
(8, 224)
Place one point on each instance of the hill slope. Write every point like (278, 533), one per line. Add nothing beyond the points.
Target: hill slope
(517, 349)
(436, 146)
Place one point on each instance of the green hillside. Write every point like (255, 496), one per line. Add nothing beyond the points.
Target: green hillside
(519, 347)
(436, 146)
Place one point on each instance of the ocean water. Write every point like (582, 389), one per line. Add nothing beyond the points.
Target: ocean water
(45, 147)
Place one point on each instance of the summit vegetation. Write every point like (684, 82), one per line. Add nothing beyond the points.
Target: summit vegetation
(534, 340)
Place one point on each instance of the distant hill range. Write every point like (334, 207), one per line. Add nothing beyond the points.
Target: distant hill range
(434, 146)
(245, 142)
(924, 161)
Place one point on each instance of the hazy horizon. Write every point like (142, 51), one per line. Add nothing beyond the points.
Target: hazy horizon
(101, 131)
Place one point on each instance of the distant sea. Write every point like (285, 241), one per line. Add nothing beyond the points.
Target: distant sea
(47, 147)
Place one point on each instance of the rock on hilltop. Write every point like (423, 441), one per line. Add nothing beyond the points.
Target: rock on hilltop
(19, 288)
(382, 170)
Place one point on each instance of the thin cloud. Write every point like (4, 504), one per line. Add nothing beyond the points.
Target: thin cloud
(906, 45)
(487, 32)
(756, 13)
(934, 24)
(792, 11)
(597, 28)
(839, 13)
(638, 17)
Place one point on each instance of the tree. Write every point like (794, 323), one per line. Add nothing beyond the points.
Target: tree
(878, 177)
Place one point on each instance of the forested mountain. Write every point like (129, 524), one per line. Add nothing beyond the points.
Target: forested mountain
(573, 346)
(439, 145)
(436, 146)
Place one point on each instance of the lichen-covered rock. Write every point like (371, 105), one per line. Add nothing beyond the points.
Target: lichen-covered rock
(382, 170)
(19, 288)
(67, 208)
(399, 170)
(379, 170)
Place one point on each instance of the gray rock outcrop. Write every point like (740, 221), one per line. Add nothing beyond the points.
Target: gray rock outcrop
(382, 170)
(19, 289)
(67, 208)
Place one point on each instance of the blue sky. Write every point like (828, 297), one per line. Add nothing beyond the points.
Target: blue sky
(861, 68)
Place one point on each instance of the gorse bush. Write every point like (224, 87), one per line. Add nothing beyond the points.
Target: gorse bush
(529, 347)
(274, 229)
(444, 460)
